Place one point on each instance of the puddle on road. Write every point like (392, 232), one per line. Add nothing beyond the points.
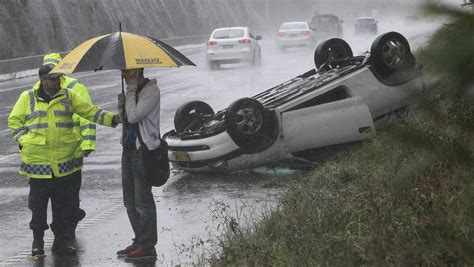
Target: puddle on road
(192, 208)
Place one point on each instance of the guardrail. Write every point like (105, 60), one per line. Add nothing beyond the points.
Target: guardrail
(11, 68)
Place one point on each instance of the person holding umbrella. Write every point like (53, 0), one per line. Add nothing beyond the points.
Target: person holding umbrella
(51, 156)
(140, 107)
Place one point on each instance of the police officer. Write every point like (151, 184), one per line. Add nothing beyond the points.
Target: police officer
(51, 156)
(81, 126)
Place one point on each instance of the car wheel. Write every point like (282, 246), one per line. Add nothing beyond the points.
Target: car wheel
(330, 50)
(257, 59)
(190, 113)
(250, 125)
(390, 53)
(213, 65)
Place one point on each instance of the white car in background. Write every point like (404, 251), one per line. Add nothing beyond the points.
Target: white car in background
(295, 34)
(233, 45)
(336, 103)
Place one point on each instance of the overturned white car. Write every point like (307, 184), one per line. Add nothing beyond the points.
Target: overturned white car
(335, 103)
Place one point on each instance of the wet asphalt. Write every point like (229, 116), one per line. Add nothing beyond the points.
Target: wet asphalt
(190, 207)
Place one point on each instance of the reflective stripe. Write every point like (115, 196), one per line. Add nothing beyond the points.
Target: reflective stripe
(36, 169)
(67, 124)
(71, 85)
(36, 114)
(19, 129)
(88, 126)
(102, 117)
(69, 165)
(50, 61)
(97, 115)
(89, 137)
(62, 113)
(32, 101)
(67, 101)
(19, 134)
(38, 126)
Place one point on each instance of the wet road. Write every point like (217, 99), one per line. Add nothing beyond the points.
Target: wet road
(188, 204)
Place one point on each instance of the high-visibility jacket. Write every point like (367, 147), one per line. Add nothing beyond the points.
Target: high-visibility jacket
(45, 131)
(82, 126)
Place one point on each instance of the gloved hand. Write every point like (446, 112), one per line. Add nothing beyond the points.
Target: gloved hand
(87, 152)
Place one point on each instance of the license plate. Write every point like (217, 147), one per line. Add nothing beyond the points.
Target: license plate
(294, 35)
(181, 156)
(227, 46)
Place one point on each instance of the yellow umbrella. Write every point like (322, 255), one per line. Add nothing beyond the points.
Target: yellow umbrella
(121, 50)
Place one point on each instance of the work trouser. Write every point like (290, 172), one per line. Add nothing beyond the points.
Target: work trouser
(138, 199)
(62, 191)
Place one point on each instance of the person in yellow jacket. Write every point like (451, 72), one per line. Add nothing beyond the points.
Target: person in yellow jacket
(85, 128)
(51, 155)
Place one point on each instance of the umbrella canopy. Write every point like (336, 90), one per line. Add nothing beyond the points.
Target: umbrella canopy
(121, 50)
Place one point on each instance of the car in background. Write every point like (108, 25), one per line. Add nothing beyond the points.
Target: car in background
(233, 45)
(295, 34)
(365, 25)
(338, 102)
(326, 25)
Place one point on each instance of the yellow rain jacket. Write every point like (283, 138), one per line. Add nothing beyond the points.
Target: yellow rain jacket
(82, 126)
(45, 131)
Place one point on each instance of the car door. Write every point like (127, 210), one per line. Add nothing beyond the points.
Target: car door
(325, 124)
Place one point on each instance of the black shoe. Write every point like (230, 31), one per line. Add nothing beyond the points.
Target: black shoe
(37, 249)
(63, 247)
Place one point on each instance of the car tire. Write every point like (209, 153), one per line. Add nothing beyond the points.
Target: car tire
(189, 113)
(390, 53)
(250, 125)
(257, 59)
(213, 65)
(331, 49)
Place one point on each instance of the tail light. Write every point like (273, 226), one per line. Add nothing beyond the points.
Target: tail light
(245, 41)
(209, 43)
(306, 33)
(280, 34)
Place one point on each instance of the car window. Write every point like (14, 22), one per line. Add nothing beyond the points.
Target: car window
(228, 33)
(293, 26)
(365, 21)
(325, 19)
(338, 93)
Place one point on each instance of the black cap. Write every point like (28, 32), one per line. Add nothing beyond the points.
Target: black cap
(43, 72)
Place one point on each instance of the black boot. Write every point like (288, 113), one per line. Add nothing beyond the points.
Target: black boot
(37, 249)
(63, 246)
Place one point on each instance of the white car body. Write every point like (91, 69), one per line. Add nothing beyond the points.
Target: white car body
(295, 34)
(317, 109)
(232, 45)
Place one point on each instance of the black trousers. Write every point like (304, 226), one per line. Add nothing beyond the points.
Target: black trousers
(63, 192)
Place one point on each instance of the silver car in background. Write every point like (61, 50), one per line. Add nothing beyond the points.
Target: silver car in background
(233, 45)
(295, 34)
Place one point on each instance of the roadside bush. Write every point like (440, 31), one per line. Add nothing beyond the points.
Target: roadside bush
(405, 199)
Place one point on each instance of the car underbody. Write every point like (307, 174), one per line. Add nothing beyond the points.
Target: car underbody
(335, 103)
